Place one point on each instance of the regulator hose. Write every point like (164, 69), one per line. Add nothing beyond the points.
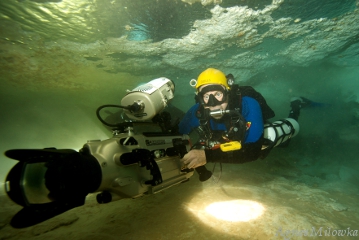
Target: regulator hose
(107, 106)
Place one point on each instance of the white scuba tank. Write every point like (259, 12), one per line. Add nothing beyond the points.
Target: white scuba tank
(280, 131)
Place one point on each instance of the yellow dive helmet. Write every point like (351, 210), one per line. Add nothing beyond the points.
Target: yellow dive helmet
(210, 76)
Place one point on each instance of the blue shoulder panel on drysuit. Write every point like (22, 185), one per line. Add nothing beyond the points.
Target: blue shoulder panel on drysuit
(251, 112)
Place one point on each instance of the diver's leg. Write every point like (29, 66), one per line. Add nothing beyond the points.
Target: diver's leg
(297, 103)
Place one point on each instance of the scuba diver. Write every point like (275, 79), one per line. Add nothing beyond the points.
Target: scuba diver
(231, 122)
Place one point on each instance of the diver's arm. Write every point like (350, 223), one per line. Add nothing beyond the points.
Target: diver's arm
(194, 158)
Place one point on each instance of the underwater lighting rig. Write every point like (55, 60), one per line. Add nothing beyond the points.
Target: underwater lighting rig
(134, 162)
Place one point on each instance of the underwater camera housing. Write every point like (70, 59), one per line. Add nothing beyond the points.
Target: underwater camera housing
(133, 163)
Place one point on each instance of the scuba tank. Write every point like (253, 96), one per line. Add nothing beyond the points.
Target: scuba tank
(280, 131)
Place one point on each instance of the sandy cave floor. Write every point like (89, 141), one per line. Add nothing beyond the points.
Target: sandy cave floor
(289, 203)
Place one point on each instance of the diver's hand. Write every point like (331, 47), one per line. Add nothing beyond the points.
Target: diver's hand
(194, 158)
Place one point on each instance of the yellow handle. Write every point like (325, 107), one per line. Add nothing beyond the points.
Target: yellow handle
(230, 146)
